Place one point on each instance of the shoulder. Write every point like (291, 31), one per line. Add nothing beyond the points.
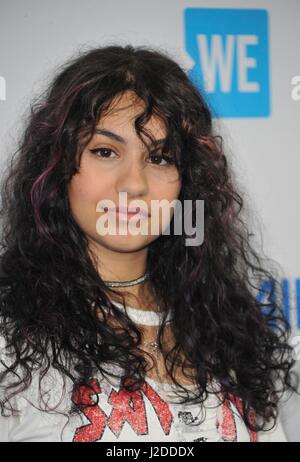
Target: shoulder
(31, 384)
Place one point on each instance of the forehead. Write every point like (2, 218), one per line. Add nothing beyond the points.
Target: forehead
(124, 109)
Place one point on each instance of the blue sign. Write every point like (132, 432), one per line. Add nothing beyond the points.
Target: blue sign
(289, 299)
(230, 51)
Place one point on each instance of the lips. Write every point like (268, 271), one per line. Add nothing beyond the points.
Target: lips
(130, 212)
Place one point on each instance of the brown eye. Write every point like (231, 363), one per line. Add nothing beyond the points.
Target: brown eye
(159, 158)
(102, 152)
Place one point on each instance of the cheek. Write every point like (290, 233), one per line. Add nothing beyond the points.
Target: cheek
(85, 190)
(178, 188)
(169, 190)
(82, 190)
(82, 198)
(161, 191)
(87, 187)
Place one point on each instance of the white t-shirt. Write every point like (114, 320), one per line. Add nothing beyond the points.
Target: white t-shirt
(147, 416)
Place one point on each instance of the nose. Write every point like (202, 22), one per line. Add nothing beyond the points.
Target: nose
(132, 178)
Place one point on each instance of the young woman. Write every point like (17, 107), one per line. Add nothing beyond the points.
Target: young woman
(132, 337)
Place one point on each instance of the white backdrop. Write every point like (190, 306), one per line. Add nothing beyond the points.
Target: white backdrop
(35, 37)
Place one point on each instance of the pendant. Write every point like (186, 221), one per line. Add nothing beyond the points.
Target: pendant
(153, 345)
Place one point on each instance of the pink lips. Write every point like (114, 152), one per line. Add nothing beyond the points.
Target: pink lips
(124, 211)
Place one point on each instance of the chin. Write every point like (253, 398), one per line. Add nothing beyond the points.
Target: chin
(125, 243)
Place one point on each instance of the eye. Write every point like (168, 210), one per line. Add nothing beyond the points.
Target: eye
(104, 152)
(160, 157)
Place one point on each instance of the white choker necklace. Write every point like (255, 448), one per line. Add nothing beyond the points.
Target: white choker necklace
(145, 317)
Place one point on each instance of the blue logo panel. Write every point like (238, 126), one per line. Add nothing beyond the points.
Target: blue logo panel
(230, 51)
(290, 299)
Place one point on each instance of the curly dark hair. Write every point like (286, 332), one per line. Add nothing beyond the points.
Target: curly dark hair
(50, 289)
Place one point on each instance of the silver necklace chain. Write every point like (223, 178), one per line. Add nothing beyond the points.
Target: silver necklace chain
(127, 283)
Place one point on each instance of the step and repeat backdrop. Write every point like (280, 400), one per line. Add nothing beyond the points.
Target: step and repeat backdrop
(244, 54)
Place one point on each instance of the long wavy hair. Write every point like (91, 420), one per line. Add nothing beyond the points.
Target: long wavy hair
(50, 290)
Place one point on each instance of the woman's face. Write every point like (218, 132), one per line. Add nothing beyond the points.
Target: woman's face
(122, 165)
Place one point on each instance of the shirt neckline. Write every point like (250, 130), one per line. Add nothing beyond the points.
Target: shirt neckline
(167, 384)
(145, 317)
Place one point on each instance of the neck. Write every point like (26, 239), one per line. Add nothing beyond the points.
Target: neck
(140, 296)
(118, 266)
(132, 282)
(124, 266)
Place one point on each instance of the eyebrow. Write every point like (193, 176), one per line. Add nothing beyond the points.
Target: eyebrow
(120, 139)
